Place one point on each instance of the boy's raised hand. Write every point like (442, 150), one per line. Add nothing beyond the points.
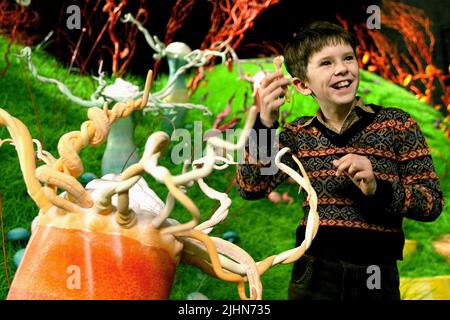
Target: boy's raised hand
(272, 93)
(359, 170)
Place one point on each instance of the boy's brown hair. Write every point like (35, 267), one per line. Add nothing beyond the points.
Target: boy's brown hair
(311, 40)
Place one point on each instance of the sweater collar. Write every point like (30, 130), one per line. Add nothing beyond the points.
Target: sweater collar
(350, 119)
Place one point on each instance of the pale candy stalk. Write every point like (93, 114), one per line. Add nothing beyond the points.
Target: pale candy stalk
(278, 62)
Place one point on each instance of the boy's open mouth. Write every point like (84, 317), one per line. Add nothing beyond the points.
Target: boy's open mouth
(342, 84)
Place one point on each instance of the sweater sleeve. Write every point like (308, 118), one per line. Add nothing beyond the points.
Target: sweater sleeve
(417, 195)
(257, 174)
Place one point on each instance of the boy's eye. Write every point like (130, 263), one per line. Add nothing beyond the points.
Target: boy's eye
(325, 63)
(349, 58)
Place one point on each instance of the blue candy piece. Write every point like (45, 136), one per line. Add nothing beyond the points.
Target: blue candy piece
(87, 177)
(18, 257)
(231, 236)
(18, 234)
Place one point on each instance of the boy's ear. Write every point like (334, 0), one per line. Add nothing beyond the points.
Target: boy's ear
(301, 86)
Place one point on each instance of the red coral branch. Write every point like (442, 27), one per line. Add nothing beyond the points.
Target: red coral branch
(413, 69)
(179, 13)
(230, 21)
(15, 20)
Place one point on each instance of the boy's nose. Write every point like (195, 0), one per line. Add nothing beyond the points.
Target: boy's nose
(341, 68)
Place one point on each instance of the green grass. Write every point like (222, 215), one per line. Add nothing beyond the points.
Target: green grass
(264, 228)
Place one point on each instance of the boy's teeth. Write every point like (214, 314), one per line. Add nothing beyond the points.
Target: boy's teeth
(342, 84)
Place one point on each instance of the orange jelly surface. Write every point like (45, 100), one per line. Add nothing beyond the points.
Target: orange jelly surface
(77, 264)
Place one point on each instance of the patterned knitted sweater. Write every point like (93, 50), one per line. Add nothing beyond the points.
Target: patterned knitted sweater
(353, 227)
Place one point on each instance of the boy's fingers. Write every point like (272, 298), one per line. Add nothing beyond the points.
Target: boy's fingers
(268, 79)
(343, 166)
(349, 166)
(275, 94)
(362, 175)
(343, 158)
(353, 169)
(275, 84)
(279, 73)
(277, 103)
(284, 82)
(354, 173)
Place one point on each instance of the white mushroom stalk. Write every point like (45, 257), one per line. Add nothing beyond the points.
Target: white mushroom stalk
(196, 58)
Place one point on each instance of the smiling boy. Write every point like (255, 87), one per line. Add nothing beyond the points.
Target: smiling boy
(369, 165)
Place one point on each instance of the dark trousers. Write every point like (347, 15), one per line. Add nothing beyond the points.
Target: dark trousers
(317, 279)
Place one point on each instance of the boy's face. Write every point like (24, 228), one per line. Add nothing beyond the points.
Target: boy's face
(332, 76)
